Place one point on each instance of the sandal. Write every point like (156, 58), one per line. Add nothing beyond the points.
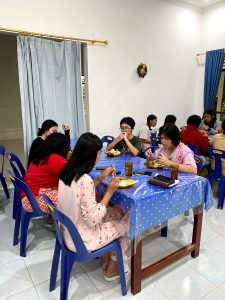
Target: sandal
(126, 271)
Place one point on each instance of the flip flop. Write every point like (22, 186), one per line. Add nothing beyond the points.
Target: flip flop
(126, 271)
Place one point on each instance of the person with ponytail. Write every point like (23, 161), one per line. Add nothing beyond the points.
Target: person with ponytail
(47, 127)
(96, 224)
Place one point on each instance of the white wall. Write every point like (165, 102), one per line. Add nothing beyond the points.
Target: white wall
(159, 33)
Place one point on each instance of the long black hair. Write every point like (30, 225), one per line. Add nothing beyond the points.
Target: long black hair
(57, 143)
(46, 125)
(172, 132)
(83, 158)
(213, 115)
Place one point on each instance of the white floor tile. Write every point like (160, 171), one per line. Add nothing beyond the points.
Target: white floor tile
(14, 278)
(95, 274)
(39, 265)
(180, 283)
(215, 294)
(80, 288)
(149, 292)
(29, 294)
(209, 264)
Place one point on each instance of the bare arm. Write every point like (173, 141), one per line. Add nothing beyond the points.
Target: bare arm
(116, 141)
(132, 149)
(182, 167)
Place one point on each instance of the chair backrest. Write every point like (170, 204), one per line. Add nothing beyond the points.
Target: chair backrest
(107, 139)
(154, 139)
(199, 162)
(73, 142)
(21, 185)
(60, 218)
(2, 155)
(16, 165)
(217, 155)
(193, 148)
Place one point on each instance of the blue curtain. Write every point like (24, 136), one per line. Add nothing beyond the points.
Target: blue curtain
(50, 85)
(213, 67)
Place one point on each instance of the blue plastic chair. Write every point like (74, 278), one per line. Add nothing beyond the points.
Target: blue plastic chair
(19, 172)
(193, 148)
(2, 178)
(217, 173)
(18, 168)
(22, 216)
(68, 258)
(107, 139)
(199, 163)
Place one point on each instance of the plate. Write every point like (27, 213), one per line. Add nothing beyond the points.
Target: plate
(154, 165)
(113, 153)
(126, 182)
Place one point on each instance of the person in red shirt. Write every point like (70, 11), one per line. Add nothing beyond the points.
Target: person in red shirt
(193, 135)
(42, 176)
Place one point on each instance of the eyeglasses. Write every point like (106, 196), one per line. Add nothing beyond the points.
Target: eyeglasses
(124, 128)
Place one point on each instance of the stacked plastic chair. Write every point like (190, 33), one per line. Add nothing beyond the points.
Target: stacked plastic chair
(107, 139)
(69, 258)
(2, 156)
(23, 217)
(216, 173)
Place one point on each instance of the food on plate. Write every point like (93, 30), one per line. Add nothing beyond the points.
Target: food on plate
(113, 152)
(126, 182)
(154, 164)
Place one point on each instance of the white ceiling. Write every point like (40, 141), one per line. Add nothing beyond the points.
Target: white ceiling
(202, 3)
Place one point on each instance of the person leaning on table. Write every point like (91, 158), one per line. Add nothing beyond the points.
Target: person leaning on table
(173, 151)
(126, 142)
(210, 123)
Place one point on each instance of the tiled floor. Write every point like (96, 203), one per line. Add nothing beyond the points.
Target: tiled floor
(199, 278)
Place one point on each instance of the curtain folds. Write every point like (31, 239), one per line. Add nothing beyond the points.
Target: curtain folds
(213, 68)
(50, 85)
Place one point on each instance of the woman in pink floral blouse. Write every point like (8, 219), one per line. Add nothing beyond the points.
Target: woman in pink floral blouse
(76, 192)
(172, 150)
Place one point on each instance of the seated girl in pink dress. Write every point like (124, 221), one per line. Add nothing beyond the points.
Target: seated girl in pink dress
(96, 225)
(172, 150)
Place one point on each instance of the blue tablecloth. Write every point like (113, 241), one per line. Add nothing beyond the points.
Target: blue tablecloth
(151, 205)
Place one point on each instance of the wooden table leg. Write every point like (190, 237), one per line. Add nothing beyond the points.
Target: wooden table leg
(136, 266)
(197, 229)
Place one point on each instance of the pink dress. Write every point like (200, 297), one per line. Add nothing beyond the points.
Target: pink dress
(96, 225)
(181, 155)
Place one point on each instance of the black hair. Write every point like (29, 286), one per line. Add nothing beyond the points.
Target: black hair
(82, 159)
(194, 120)
(170, 119)
(223, 126)
(57, 143)
(213, 115)
(150, 118)
(172, 132)
(129, 121)
(46, 125)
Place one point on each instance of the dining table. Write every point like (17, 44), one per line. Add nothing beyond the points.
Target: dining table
(150, 205)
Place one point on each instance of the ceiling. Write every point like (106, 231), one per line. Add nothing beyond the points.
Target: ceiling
(202, 3)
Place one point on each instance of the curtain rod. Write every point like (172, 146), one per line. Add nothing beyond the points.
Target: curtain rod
(51, 36)
(203, 53)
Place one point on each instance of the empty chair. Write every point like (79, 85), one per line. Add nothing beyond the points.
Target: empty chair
(19, 172)
(22, 216)
(107, 139)
(68, 258)
(217, 173)
(2, 156)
